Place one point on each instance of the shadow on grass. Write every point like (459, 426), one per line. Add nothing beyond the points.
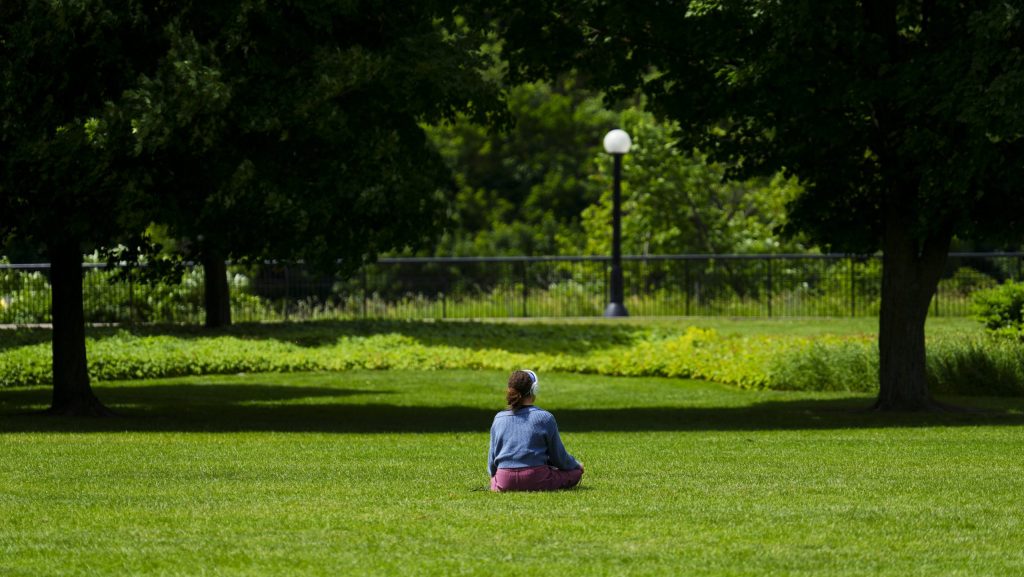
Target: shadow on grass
(519, 337)
(267, 407)
(23, 337)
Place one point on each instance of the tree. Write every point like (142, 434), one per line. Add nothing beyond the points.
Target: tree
(899, 118)
(272, 129)
(61, 67)
(291, 130)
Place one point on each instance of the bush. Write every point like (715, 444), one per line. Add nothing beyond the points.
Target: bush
(827, 364)
(1001, 308)
(966, 281)
(977, 366)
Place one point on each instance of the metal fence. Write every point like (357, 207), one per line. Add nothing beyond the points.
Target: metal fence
(664, 285)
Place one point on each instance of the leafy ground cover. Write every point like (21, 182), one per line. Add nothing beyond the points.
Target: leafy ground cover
(837, 354)
(380, 473)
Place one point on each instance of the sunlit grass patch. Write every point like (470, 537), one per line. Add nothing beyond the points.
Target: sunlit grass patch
(381, 473)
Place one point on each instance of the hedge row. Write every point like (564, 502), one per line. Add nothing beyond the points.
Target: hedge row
(974, 365)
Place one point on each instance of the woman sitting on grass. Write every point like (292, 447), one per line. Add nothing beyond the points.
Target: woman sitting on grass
(526, 452)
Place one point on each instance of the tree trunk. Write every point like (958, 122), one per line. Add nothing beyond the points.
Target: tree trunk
(216, 292)
(910, 276)
(72, 392)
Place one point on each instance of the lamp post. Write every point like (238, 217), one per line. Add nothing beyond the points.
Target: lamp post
(616, 143)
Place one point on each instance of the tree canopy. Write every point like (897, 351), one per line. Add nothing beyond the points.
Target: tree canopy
(292, 129)
(62, 66)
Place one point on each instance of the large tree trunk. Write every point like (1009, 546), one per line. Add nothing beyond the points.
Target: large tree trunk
(910, 276)
(72, 392)
(216, 292)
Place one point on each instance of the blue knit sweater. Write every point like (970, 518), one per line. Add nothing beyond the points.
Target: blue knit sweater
(527, 437)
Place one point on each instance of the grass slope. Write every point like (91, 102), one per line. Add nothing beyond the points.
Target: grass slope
(379, 473)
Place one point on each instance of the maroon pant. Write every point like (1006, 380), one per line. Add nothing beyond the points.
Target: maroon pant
(543, 478)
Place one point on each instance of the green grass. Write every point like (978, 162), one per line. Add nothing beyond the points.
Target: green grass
(379, 473)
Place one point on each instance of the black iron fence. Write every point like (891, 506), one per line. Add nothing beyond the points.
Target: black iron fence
(480, 287)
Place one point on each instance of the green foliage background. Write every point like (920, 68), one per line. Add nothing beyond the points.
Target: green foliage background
(543, 186)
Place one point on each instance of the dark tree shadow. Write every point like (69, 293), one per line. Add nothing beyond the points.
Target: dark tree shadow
(23, 337)
(520, 336)
(268, 407)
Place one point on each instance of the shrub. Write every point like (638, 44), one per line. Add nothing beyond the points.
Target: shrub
(826, 364)
(977, 366)
(966, 281)
(1001, 308)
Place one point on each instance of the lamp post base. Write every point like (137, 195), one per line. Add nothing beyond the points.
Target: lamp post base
(616, 310)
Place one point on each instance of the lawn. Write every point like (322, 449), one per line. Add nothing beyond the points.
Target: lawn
(382, 473)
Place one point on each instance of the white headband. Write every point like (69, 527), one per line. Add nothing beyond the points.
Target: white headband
(536, 382)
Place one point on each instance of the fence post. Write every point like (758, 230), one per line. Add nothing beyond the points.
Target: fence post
(287, 291)
(686, 282)
(853, 289)
(526, 289)
(604, 270)
(769, 262)
(364, 290)
(131, 298)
